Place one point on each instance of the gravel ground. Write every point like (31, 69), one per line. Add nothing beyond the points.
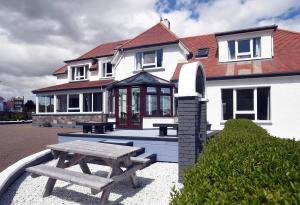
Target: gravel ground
(156, 183)
(20, 140)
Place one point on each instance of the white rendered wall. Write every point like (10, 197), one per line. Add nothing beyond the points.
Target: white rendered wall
(171, 55)
(61, 79)
(284, 105)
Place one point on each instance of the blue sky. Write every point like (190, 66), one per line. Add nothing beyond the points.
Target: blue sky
(37, 36)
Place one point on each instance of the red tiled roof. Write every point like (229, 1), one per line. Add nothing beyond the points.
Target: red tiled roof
(157, 34)
(1, 98)
(286, 57)
(74, 86)
(105, 49)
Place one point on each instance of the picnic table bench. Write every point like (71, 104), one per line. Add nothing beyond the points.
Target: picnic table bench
(82, 152)
(163, 127)
(100, 127)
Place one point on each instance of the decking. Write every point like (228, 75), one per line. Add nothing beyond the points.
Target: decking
(166, 148)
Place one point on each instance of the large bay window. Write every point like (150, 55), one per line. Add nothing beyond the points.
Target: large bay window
(61, 103)
(149, 59)
(79, 73)
(244, 49)
(92, 102)
(250, 103)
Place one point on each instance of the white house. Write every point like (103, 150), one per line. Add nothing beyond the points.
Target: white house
(251, 73)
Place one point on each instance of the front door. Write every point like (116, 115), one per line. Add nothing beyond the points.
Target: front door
(128, 107)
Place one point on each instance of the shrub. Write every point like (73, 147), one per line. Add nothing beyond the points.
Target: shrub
(243, 165)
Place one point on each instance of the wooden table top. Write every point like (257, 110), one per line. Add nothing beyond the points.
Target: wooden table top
(95, 149)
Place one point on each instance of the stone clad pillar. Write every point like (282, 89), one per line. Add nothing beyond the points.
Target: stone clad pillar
(192, 119)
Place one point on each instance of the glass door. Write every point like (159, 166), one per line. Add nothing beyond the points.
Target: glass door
(129, 107)
(135, 121)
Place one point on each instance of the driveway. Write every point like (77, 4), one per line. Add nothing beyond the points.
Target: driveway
(21, 140)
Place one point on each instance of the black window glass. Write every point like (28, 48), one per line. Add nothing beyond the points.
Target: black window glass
(244, 45)
(87, 102)
(109, 68)
(74, 101)
(245, 116)
(244, 99)
(159, 54)
(231, 48)
(97, 102)
(202, 52)
(263, 103)
(227, 103)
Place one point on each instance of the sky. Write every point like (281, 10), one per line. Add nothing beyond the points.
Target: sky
(36, 36)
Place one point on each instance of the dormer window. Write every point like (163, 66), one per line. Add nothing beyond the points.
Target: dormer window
(149, 59)
(79, 73)
(202, 52)
(244, 49)
(107, 69)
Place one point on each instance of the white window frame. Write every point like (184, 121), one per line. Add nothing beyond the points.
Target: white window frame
(79, 77)
(254, 111)
(237, 53)
(105, 74)
(148, 64)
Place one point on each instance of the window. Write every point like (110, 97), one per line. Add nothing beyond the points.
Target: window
(61, 103)
(158, 101)
(79, 72)
(149, 59)
(107, 70)
(250, 103)
(151, 101)
(92, 102)
(46, 103)
(111, 102)
(202, 52)
(73, 103)
(244, 48)
(87, 102)
(97, 102)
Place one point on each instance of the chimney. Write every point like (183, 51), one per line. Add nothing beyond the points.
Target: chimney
(166, 23)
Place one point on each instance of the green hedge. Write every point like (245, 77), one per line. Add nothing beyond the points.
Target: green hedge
(243, 165)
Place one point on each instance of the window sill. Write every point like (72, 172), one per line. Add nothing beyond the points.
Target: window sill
(149, 70)
(259, 122)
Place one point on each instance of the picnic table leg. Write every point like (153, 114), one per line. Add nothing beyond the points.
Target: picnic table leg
(51, 182)
(104, 196)
(84, 167)
(135, 184)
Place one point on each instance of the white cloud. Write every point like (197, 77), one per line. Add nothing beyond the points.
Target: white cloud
(37, 36)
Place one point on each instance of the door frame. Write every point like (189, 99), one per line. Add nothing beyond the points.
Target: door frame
(129, 124)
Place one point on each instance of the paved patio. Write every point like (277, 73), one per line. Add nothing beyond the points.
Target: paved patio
(20, 140)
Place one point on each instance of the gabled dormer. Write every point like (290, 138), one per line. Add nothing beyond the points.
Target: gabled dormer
(247, 44)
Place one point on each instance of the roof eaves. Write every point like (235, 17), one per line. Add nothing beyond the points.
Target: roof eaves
(274, 27)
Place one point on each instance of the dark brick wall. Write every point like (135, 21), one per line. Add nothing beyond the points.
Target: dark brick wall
(66, 120)
(191, 131)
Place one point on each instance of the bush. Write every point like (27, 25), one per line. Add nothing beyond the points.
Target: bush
(243, 165)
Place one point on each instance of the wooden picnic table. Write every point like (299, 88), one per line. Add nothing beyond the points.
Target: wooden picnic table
(100, 127)
(82, 152)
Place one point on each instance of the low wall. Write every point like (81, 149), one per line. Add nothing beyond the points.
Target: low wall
(65, 120)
